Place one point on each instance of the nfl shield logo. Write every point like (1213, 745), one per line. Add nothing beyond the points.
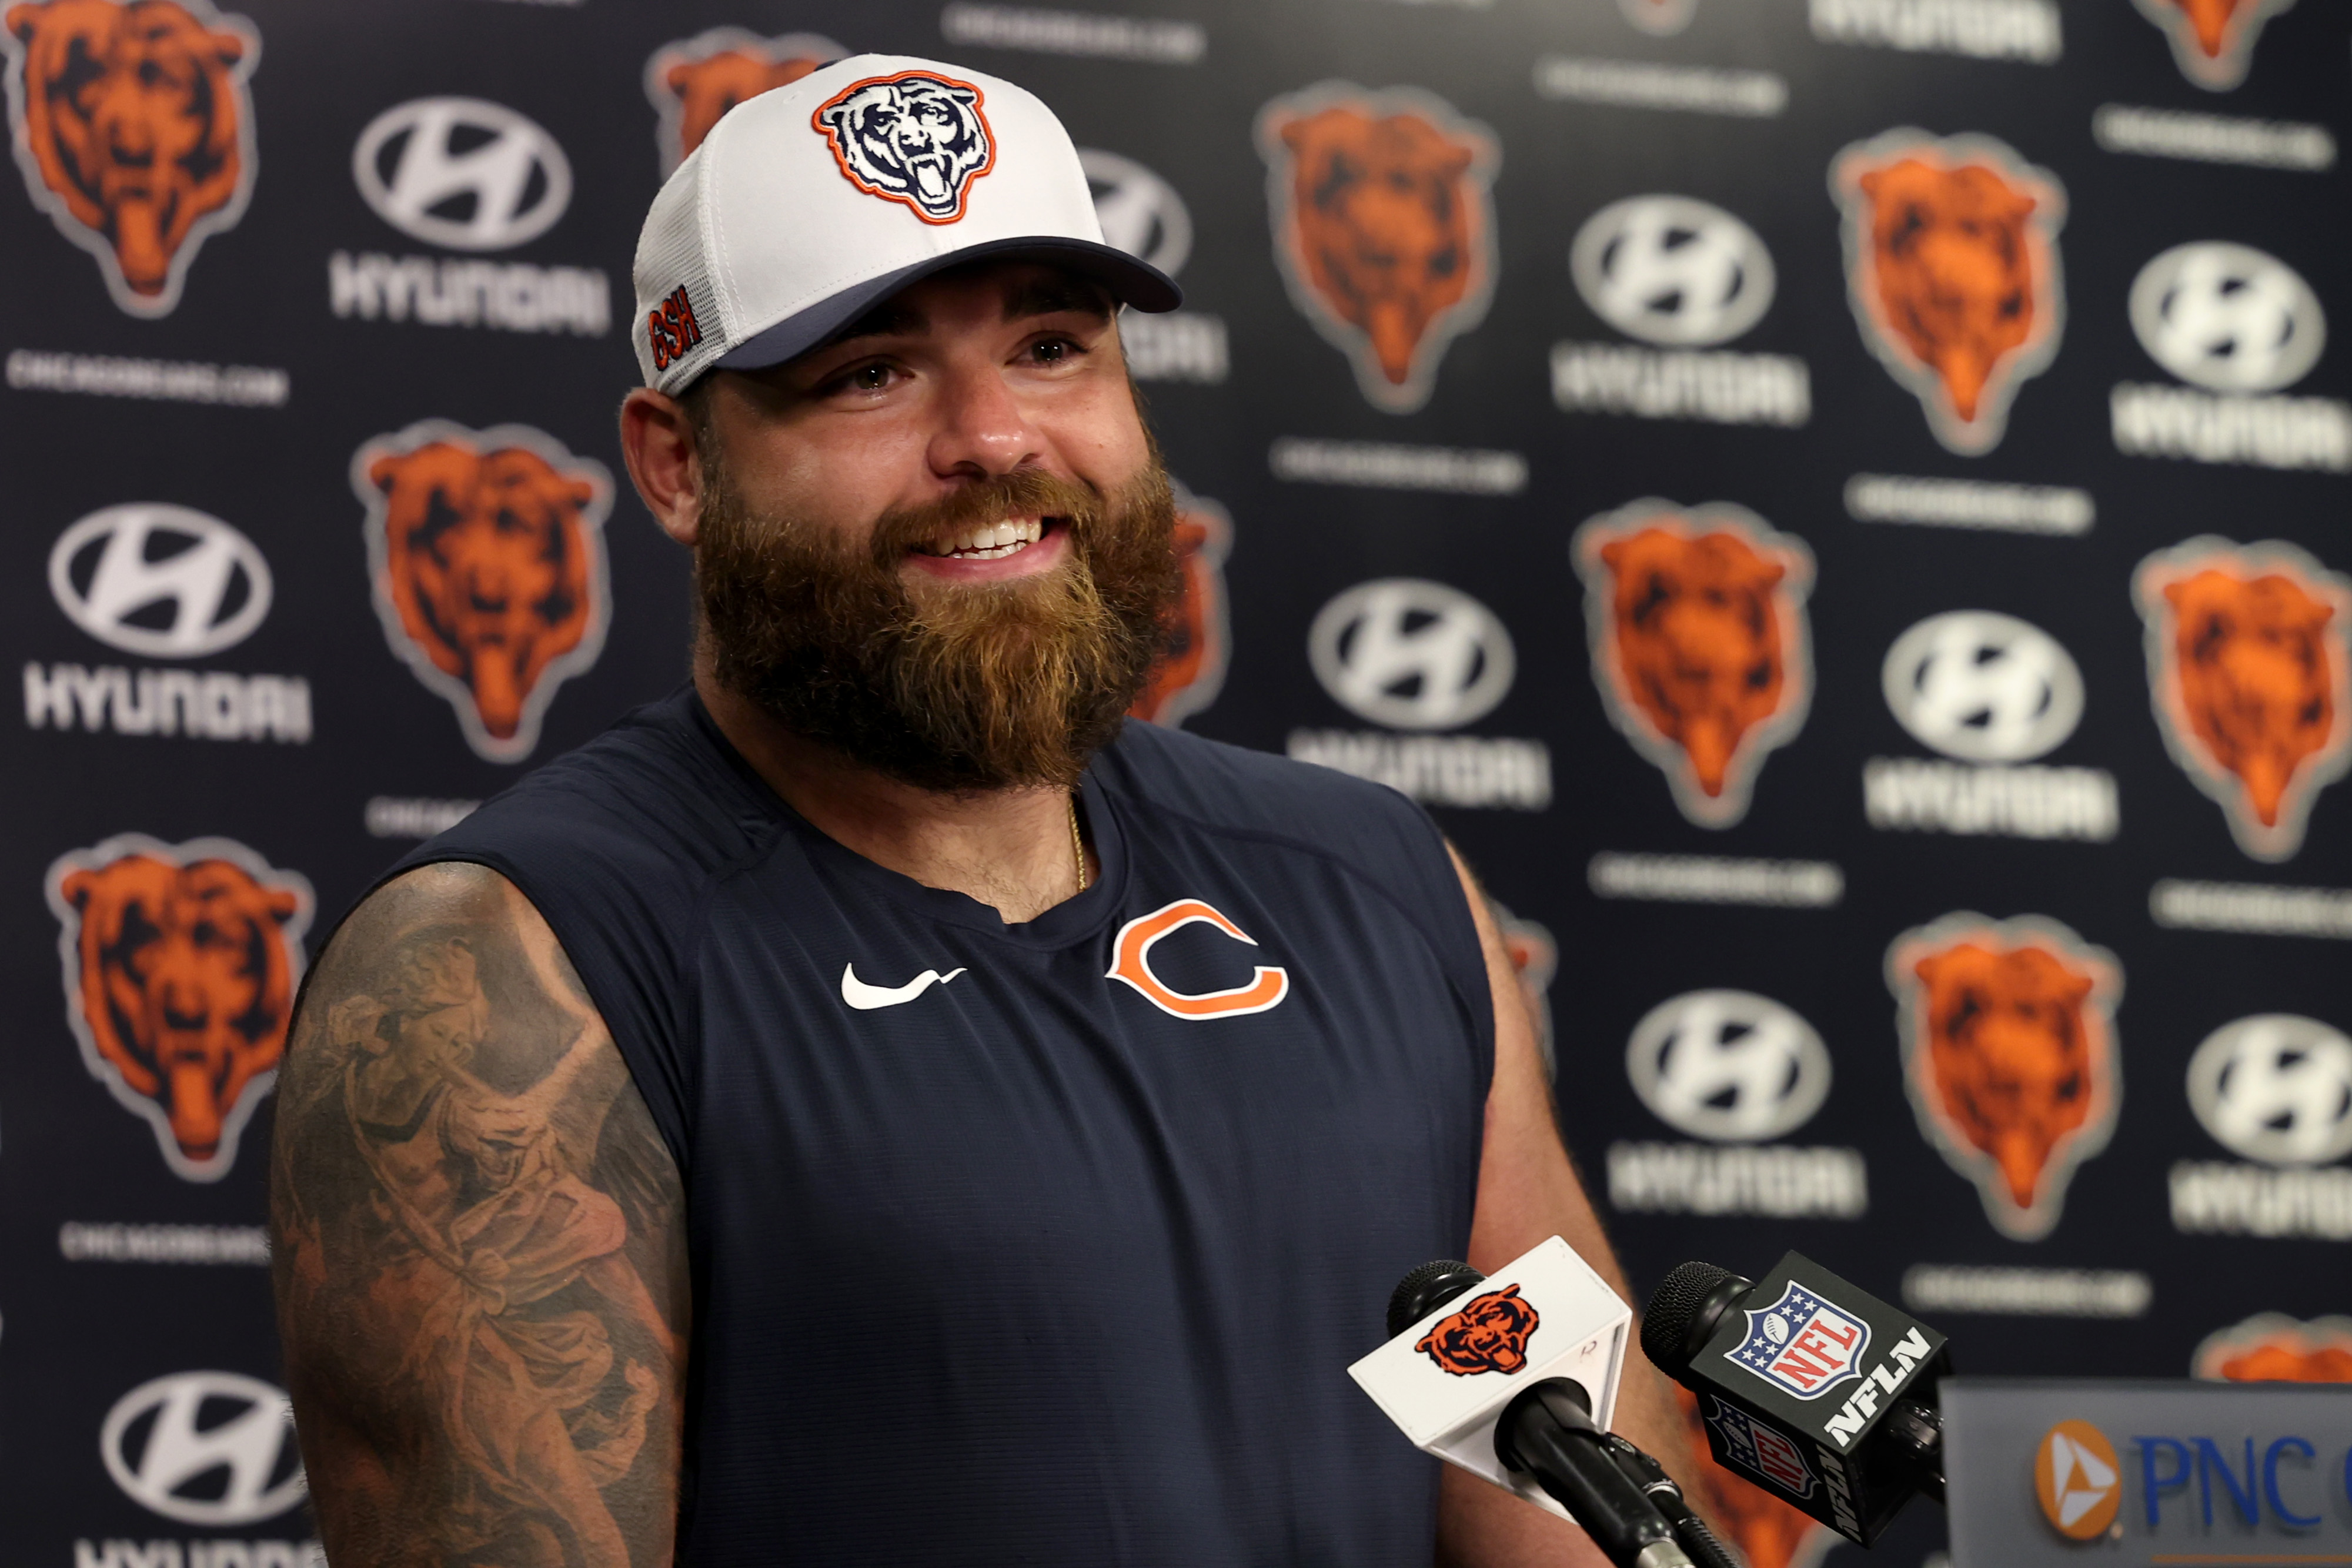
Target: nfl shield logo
(1802, 1344)
(1763, 1450)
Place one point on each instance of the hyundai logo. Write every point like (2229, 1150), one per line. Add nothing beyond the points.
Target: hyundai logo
(2275, 1088)
(1140, 212)
(1412, 654)
(1672, 270)
(462, 172)
(1983, 687)
(205, 1448)
(1729, 1066)
(2228, 318)
(166, 581)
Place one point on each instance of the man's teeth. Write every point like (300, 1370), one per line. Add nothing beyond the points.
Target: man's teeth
(991, 541)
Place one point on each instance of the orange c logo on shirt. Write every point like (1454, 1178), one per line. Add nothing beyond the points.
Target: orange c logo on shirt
(1131, 962)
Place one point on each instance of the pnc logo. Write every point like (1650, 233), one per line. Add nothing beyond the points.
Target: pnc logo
(2275, 1088)
(2212, 40)
(916, 139)
(168, 1443)
(1412, 654)
(166, 581)
(1700, 646)
(1983, 687)
(693, 82)
(1383, 227)
(133, 126)
(1729, 1066)
(1952, 248)
(179, 963)
(2078, 1480)
(2228, 318)
(1140, 212)
(1191, 672)
(2010, 1055)
(2249, 672)
(2271, 1347)
(487, 552)
(1672, 270)
(462, 172)
(1131, 962)
(1490, 1333)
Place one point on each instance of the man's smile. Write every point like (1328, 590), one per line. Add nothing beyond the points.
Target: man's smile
(988, 552)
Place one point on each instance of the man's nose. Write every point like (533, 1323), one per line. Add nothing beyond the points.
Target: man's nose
(982, 430)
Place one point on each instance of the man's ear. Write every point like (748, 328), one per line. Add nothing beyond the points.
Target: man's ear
(657, 443)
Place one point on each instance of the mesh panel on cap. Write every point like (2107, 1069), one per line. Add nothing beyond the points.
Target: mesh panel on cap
(671, 255)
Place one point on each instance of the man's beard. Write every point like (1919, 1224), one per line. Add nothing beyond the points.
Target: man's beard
(953, 687)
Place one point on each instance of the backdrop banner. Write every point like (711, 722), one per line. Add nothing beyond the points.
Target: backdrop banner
(1837, 506)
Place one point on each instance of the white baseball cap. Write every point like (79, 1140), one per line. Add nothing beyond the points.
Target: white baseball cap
(810, 203)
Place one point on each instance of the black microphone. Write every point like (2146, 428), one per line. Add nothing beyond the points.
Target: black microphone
(1546, 1431)
(1817, 1389)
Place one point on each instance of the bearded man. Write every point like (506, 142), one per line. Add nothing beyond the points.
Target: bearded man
(905, 1114)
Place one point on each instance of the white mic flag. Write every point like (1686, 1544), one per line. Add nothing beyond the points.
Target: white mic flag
(1446, 1380)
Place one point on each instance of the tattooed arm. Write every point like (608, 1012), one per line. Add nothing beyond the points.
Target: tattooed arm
(479, 1249)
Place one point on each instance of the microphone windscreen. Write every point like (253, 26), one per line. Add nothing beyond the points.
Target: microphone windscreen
(1425, 1290)
(1666, 1325)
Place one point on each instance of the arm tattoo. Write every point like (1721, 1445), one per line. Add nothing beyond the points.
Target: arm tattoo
(478, 1247)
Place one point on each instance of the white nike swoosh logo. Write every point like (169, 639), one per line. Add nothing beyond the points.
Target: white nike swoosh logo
(865, 997)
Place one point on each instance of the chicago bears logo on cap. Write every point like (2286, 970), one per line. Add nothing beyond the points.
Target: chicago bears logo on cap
(915, 138)
(1489, 1334)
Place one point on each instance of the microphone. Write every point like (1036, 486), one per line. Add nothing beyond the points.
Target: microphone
(1501, 1384)
(1819, 1390)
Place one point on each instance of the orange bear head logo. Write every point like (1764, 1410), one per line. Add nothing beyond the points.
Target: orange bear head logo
(134, 129)
(180, 964)
(1383, 227)
(1952, 251)
(1768, 1531)
(2271, 1347)
(1700, 648)
(694, 81)
(2010, 1057)
(487, 549)
(1189, 674)
(1488, 1334)
(2247, 672)
(2212, 40)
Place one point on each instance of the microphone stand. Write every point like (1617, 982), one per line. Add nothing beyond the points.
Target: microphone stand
(1547, 1432)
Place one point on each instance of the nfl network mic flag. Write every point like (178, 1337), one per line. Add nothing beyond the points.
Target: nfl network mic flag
(1798, 1375)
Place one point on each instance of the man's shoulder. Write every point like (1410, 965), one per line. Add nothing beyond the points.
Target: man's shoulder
(651, 797)
(1234, 789)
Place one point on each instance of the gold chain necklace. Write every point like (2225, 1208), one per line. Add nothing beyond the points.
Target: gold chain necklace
(1078, 843)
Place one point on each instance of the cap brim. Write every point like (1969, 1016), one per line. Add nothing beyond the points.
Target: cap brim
(1129, 280)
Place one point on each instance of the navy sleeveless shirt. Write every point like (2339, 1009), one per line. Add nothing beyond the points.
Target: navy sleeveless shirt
(1061, 1259)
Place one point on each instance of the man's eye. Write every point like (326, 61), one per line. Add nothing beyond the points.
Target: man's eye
(868, 379)
(1055, 351)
